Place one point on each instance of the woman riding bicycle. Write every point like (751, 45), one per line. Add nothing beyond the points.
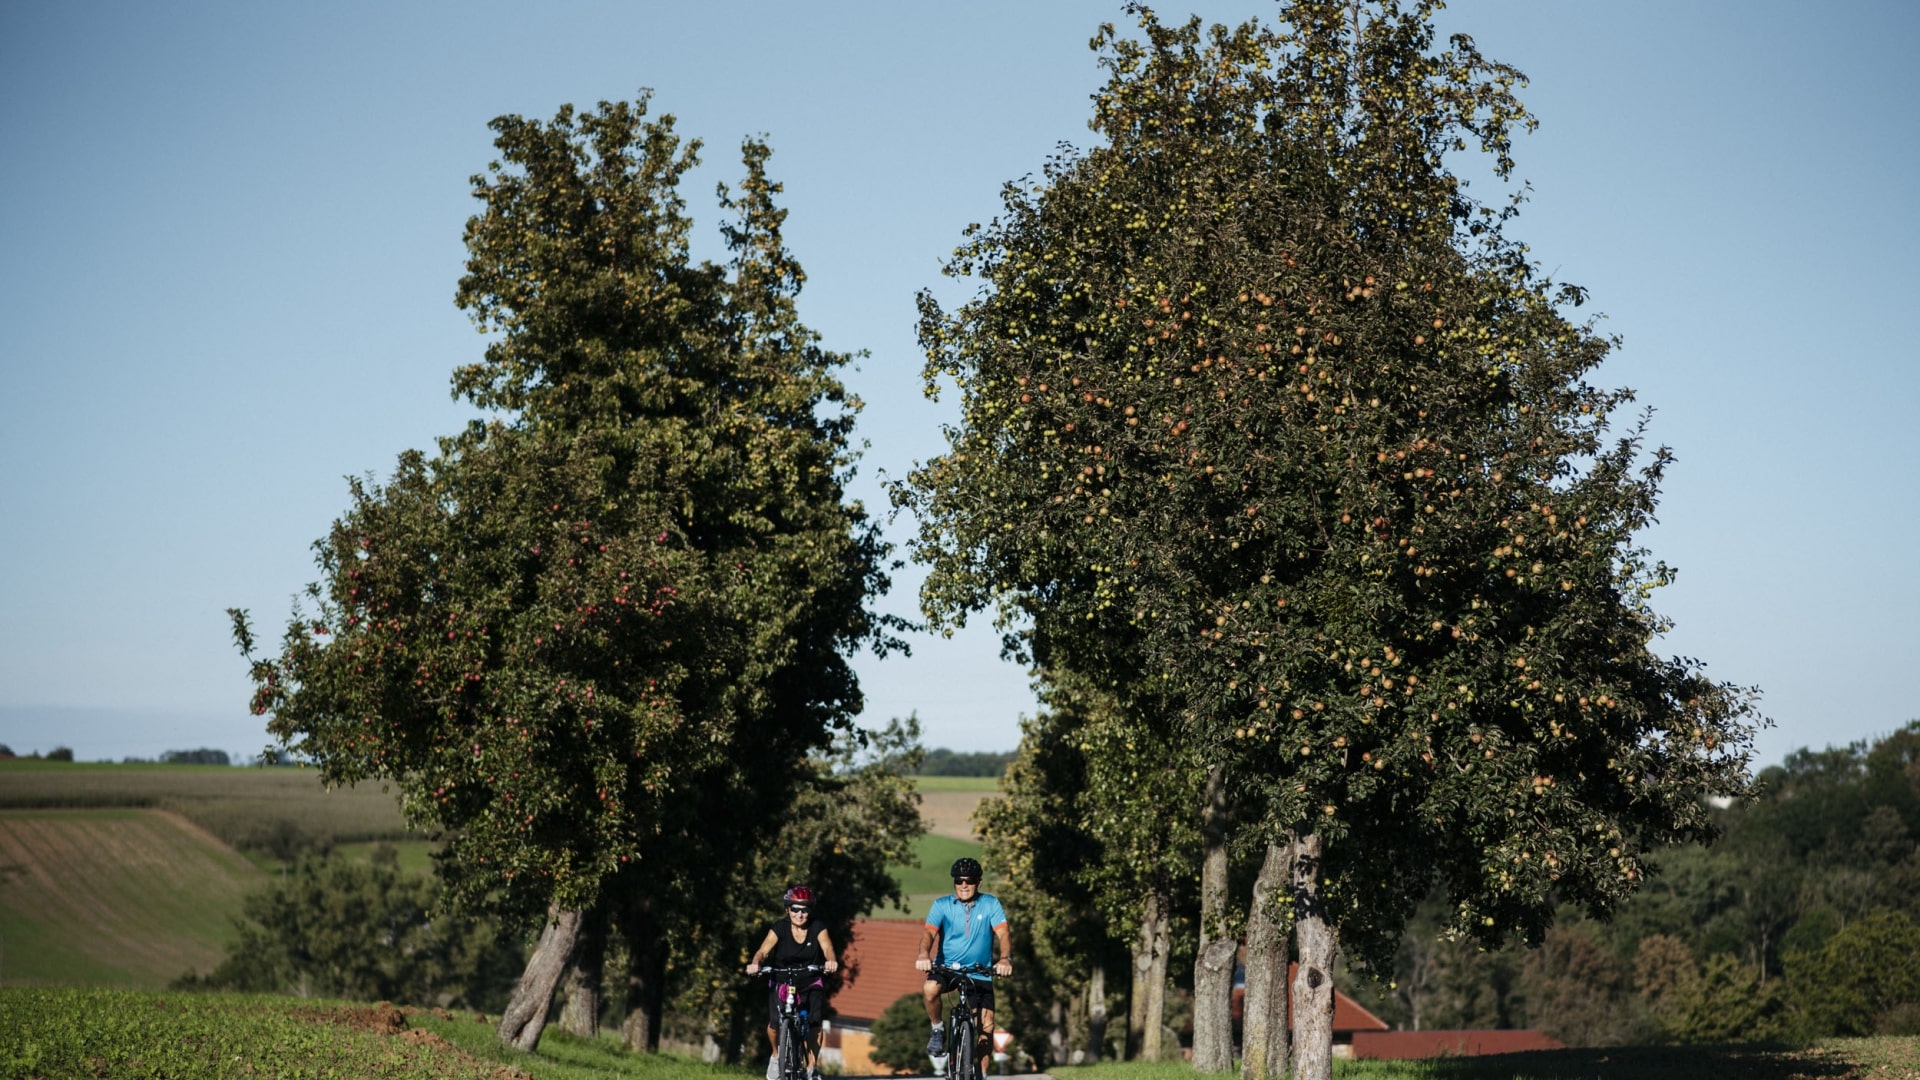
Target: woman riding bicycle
(796, 943)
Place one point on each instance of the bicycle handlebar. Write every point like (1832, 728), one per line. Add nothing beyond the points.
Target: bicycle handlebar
(962, 969)
(790, 971)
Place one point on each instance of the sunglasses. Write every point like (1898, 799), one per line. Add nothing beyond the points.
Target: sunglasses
(966, 881)
(798, 908)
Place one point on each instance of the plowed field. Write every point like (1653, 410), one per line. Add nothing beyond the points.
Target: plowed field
(950, 813)
(122, 897)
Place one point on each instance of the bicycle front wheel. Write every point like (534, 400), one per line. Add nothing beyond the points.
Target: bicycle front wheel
(793, 1056)
(960, 1050)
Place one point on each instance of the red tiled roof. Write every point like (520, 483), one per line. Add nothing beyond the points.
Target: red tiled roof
(1349, 1016)
(882, 954)
(1428, 1044)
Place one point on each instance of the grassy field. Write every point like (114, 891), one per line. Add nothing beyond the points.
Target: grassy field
(62, 1033)
(924, 882)
(416, 856)
(117, 897)
(241, 806)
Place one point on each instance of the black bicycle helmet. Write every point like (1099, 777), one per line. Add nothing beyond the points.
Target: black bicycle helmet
(966, 870)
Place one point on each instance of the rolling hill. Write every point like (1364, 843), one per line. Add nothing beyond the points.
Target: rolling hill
(114, 897)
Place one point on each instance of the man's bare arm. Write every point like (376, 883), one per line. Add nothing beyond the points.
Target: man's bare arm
(927, 941)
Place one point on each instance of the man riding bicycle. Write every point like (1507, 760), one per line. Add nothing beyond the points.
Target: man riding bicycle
(796, 943)
(967, 928)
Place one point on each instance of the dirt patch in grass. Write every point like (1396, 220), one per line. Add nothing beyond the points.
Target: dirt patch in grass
(381, 1019)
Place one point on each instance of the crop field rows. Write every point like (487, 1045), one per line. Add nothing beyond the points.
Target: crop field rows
(119, 897)
(243, 807)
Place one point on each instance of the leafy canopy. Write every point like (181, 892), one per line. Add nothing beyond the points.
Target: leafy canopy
(638, 578)
(1263, 417)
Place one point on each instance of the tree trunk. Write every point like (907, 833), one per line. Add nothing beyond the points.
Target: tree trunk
(1313, 982)
(1097, 1013)
(526, 1015)
(1263, 1025)
(1147, 1012)
(581, 1013)
(1057, 1039)
(1213, 965)
(646, 983)
(732, 1052)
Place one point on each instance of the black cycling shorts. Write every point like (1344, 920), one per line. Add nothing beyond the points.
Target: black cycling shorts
(812, 999)
(982, 989)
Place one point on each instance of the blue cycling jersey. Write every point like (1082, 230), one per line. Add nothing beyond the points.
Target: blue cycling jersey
(966, 930)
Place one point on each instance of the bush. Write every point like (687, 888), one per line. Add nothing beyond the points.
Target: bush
(365, 932)
(900, 1036)
(60, 753)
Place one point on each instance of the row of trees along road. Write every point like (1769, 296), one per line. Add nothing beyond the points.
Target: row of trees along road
(1276, 457)
(598, 639)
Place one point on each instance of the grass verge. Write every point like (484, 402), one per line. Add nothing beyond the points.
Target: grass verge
(1879, 1058)
(60, 1033)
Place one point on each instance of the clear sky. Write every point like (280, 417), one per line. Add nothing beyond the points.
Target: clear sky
(229, 236)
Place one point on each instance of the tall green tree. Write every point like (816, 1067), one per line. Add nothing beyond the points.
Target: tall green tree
(636, 580)
(1263, 416)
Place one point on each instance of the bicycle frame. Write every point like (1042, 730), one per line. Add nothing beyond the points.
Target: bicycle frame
(795, 1028)
(963, 1021)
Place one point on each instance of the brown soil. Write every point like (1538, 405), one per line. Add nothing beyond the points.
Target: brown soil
(423, 1037)
(950, 813)
(385, 1019)
(381, 1019)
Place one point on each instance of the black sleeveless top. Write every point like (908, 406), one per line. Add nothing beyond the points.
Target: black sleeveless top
(790, 953)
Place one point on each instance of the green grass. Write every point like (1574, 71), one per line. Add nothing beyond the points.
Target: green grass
(61, 1033)
(416, 856)
(115, 897)
(929, 879)
(239, 805)
(1881, 1058)
(957, 783)
(566, 1057)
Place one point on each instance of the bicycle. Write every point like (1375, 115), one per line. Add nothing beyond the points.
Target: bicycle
(963, 1021)
(793, 1027)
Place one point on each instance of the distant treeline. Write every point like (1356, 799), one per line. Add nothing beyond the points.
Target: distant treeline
(1803, 920)
(945, 762)
(201, 756)
(58, 753)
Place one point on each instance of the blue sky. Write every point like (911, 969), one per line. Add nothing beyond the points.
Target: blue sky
(229, 236)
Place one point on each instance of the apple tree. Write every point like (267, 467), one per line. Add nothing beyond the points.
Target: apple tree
(633, 581)
(1263, 416)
